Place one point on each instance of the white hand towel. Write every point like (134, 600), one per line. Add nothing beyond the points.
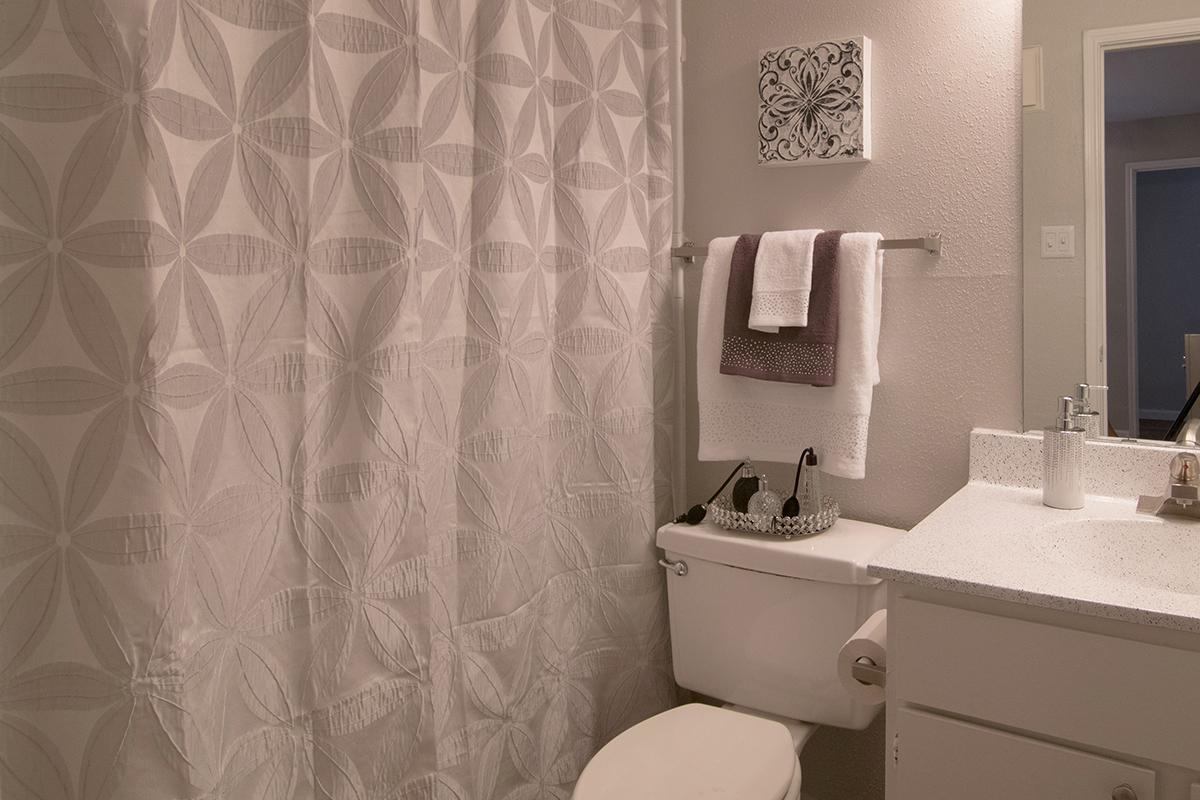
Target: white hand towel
(769, 421)
(782, 280)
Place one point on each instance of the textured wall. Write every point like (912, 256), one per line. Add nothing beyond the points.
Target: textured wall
(1053, 173)
(946, 158)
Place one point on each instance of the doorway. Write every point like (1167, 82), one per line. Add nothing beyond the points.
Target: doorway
(1124, 84)
(1163, 287)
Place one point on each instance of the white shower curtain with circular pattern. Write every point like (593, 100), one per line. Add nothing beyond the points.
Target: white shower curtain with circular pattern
(335, 392)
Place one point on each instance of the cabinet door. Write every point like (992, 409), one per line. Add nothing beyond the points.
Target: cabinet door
(1104, 692)
(938, 757)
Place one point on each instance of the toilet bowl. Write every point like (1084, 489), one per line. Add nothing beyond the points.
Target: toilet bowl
(756, 622)
(696, 751)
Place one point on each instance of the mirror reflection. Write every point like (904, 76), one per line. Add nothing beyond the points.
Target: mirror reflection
(1112, 214)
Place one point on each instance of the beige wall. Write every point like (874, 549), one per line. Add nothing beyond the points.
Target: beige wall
(1053, 183)
(1158, 139)
(946, 155)
(946, 139)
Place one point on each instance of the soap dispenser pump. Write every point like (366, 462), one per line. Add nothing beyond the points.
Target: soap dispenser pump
(1062, 460)
(1083, 415)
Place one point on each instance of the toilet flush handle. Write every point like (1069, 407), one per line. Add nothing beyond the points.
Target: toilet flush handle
(680, 568)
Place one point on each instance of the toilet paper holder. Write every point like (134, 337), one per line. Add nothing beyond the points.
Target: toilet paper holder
(868, 673)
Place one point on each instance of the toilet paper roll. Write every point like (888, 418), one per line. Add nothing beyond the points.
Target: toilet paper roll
(869, 641)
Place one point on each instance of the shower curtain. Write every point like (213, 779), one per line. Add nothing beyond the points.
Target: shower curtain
(335, 383)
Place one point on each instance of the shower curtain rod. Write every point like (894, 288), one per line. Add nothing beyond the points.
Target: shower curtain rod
(931, 244)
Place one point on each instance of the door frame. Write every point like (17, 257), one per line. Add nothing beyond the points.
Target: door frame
(1132, 170)
(1096, 43)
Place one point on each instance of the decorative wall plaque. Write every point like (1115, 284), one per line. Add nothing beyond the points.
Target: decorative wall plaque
(814, 103)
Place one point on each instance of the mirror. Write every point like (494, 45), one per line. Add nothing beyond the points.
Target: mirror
(1111, 95)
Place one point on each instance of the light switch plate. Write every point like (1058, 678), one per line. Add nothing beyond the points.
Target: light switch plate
(1031, 78)
(1058, 241)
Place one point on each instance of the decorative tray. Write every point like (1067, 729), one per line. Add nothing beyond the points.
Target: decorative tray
(721, 512)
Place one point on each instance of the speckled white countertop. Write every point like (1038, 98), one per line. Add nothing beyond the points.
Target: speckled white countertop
(1000, 542)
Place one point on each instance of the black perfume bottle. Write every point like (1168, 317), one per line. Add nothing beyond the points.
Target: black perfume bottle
(744, 488)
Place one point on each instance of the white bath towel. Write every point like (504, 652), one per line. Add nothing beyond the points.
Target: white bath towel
(769, 421)
(782, 280)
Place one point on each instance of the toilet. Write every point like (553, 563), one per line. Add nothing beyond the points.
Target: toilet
(756, 623)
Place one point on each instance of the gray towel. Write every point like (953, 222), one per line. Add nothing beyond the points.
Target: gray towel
(794, 355)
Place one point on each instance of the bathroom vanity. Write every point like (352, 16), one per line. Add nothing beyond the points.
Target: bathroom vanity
(1037, 653)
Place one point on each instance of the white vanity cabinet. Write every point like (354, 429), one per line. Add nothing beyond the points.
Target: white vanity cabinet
(991, 699)
(948, 758)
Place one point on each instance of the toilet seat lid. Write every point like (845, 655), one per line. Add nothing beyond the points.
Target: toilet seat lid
(693, 751)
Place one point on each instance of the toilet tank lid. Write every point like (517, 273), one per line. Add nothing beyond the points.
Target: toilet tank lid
(840, 554)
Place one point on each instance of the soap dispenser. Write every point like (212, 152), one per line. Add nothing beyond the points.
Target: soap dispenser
(1083, 416)
(1062, 460)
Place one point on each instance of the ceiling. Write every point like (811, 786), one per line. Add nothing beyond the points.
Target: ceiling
(1161, 81)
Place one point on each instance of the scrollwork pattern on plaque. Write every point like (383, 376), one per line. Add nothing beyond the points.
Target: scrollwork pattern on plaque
(812, 103)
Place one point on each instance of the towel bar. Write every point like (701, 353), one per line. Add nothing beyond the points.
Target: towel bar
(931, 244)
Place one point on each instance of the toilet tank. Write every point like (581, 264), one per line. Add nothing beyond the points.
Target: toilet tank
(758, 621)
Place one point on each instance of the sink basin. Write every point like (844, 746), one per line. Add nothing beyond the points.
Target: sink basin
(1153, 552)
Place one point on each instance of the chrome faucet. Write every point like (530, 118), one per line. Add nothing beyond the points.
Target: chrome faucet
(1182, 497)
(1189, 434)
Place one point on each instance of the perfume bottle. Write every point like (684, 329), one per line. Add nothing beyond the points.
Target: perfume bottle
(745, 487)
(765, 501)
(810, 486)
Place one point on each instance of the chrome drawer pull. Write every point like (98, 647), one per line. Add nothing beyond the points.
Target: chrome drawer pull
(680, 569)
